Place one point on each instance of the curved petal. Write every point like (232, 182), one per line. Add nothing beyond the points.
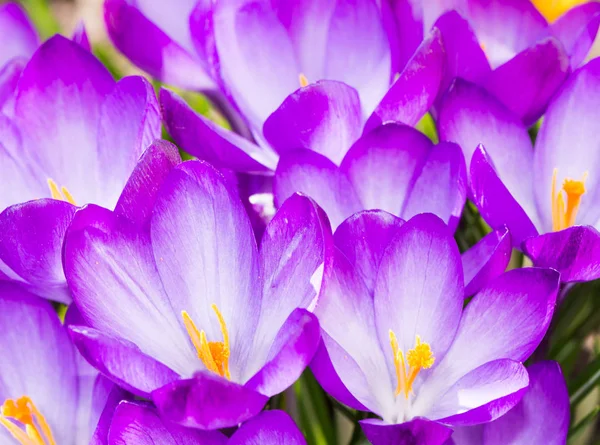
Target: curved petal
(527, 82)
(497, 206)
(155, 36)
(31, 241)
(441, 186)
(567, 141)
(522, 425)
(486, 260)
(139, 423)
(414, 92)
(577, 29)
(111, 272)
(10, 73)
(383, 165)
(80, 37)
(206, 254)
(19, 38)
(272, 427)
(573, 252)
(324, 117)
(203, 138)
(58, 101)
(363, 238)
(207, 402)
(316, 176)
(482, 395)
(100, 436)
(417, 431)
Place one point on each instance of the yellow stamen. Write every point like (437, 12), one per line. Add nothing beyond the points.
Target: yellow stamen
(566, 202)
(23, 412)
(303, 80)
(553, 9)
(418, 358)
(61, 194)
(214, 354)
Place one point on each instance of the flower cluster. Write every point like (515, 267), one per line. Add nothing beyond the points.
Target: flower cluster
(385, 230)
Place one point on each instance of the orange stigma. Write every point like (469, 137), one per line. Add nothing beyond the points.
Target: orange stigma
(61, 194)
(553, 9)
(566, 202)
(418, 358)
(16, 414)
(214, 354)
(303, 80)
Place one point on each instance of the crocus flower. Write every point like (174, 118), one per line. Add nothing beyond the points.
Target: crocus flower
(73, 138)
(48, 394)
(542, 416)
(548, 196)
(183, 307)
(140, 424)
(506, 46)
(397, 341)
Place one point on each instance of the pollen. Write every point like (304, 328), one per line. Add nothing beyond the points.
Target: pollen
(61, 194)
(418, 358)
(566, 202)
(16, 414)
(303, 80)
(553, 9)
(215, 354)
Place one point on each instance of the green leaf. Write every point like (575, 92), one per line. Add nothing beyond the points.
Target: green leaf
(585, 382)
(581, 426)
(314, 411)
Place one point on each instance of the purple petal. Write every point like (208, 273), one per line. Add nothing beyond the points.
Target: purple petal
(31, 240)
(203, 138)
(413, 93)
(414, 432)
(577, 29)
(483, 394)
(19, 38)
(527, 82)
(121, 361)
(139, 423)
(316, 176)
(441, 186)
(38, 360)
(486, 260)
(324, 117)
(409, 16)
(293, 349)
(207, 402)
(10, 74)
(165, 50)
(523, 425)
(111, 272)
(568, 141)
(573, 252)
(270, 428)
(383, 164)
(495, 202)
(100, 436)
(139, 194)
(363, 238)
(218, 265)
(80, 37)
(419, 287)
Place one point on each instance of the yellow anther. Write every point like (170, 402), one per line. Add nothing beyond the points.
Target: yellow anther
(215, 354)
(418, 358)
(553, 9)
(23, 412)
(61, 194)
(303, 80)
(566, 202)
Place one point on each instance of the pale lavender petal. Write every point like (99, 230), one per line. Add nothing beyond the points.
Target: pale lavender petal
(414, 432)
(9, 76)
(100, 436)
(272, 427)
(577, 30)
(80, 36)
(19, 38)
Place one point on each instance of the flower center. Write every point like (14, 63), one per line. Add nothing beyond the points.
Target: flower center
(303, 80)
(62, 194)
(214, 354)
(16, 414)
(565, 203)
(420, 357)
(553, 9)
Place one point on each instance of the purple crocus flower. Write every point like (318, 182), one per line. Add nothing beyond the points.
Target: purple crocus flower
(542, 416)
(49, 395)
(140, 424)
(397, 341)
(506, 46)
(183, 307)
(73, 138)
(548, 197)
